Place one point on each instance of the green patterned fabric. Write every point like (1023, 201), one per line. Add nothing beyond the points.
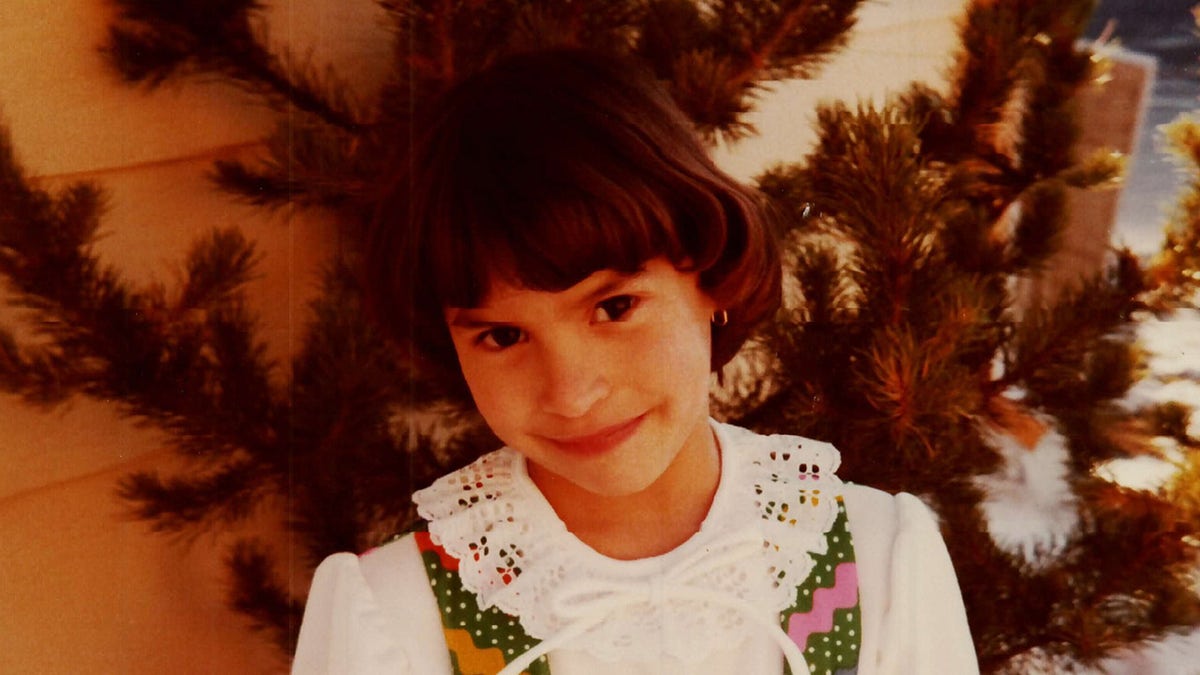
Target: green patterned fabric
(481, 641)
(825, 620)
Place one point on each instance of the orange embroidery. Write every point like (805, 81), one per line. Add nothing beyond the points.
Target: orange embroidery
(471, 659)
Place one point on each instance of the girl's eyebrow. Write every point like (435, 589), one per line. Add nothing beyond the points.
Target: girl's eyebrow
(461, 322)
(617, 282)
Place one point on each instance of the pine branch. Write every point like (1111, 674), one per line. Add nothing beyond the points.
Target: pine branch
(902, 362)
(151, 42)
(1174, 275)
(1102, 169)
(197, 503)
(439, 43)
(257, 593)
(352, 469)
(866, 177)
(788, 39)
(305, 165)
(39, 376)
(188, 364)
(216, 268)
(1184, 490)
(1037, 232)
(1116, 586)
(1010, 121)
(1131, 598)
(551, 23)
(1000, 42)
(45, 259)
(1053, 347)
(717, 58)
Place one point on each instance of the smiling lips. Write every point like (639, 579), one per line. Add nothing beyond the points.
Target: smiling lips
(600, 442)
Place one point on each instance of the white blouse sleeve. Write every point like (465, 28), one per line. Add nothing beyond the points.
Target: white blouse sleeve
(912, 611)
(371, 615)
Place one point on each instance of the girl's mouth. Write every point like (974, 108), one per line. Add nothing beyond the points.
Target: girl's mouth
(600, 441)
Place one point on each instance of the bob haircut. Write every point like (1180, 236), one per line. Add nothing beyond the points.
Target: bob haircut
(550, 166)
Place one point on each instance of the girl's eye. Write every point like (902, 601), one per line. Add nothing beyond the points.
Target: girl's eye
(614, 309)
(500, 337)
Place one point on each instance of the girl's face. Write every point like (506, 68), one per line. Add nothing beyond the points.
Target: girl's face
(602, 384)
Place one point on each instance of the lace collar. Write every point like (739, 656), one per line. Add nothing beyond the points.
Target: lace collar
(775, 502)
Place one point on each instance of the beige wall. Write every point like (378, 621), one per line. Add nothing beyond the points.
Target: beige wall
(83, 589)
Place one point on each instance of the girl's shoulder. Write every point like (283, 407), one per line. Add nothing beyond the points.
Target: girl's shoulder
(370, 613)
(913, 619)
(883, 517)
(375, 584)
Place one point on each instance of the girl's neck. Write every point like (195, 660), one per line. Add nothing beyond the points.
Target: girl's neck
(647, 523)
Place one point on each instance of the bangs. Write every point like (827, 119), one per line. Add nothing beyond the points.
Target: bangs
(546, 220)
(545, 245)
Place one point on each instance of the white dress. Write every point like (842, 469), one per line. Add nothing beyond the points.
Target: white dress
(707, 607)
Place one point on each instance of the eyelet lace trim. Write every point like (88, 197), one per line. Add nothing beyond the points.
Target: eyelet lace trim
(515, 554)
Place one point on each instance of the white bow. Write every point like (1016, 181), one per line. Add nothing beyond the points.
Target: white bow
(588, 602)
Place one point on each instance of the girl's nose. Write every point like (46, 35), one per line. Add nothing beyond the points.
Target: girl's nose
(573, 381)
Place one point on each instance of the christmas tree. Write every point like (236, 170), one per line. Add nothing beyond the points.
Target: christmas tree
(900, 341)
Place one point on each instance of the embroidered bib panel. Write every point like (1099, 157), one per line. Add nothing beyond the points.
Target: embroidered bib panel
(823, 620)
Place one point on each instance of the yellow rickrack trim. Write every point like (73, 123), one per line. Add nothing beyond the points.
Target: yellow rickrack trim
(471, 659)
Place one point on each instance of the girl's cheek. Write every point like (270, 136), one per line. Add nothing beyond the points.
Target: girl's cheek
(676, 349)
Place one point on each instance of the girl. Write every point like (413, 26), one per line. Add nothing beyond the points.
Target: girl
(584, 268)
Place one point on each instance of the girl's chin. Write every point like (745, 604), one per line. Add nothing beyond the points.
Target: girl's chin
(594, 481)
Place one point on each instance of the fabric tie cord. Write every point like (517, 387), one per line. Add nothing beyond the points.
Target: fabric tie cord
(587, 603)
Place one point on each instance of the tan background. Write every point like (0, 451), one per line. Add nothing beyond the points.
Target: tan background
(84, 589)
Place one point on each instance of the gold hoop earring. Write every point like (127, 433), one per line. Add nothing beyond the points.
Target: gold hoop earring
(720, 318)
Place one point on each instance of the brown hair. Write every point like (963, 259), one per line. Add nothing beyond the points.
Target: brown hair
(546, 168)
